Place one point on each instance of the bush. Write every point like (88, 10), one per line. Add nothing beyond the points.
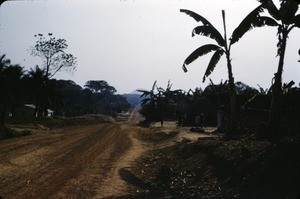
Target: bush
(6, 133)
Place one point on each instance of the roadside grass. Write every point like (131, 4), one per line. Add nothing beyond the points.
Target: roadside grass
(7, 132)
(16, 127)
(158, 136)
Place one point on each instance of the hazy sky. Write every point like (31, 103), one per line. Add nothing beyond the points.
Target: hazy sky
(132, 43)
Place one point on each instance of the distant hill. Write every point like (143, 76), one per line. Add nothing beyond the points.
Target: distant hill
(136, 91)
(133, 99)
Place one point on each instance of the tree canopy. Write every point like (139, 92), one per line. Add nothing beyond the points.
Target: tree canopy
(52, 51)
(100, 86)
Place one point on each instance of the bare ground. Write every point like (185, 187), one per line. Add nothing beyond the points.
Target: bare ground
(122, 160)
(80, 161)
(71, 162)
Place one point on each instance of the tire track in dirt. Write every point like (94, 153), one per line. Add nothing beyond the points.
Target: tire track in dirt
(72, 163)
(93, 175)
(31, 156)
(113, 185)
(72, 160)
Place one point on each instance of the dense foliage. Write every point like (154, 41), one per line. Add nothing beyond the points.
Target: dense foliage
(213, 104)
(42, 95)
(285, 17)
(235, 103)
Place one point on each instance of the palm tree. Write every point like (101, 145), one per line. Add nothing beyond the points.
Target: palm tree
(157, 105)
(149, 102)
(10, 87)
(36, 80)
(4, 63)
(44, 91)
(285, 18)
(222, 47)
(166, 101)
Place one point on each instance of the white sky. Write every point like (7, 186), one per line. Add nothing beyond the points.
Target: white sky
(132, 43)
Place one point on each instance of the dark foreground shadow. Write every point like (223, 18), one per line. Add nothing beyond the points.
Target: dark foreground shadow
(132, 179)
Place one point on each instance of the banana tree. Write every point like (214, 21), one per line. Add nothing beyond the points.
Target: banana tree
(223, 47)
(160, 104)
(148, 103)
(285, 18)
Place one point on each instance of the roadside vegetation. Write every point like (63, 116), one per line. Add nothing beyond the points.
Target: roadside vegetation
(254, 153)
(36, 96)
(239, 104)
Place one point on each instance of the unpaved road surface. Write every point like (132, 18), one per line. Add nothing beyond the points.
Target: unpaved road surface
(71, 162)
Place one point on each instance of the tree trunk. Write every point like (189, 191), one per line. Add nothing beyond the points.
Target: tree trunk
(2, 116)
(233, 112)
(232, 99)
(36, 109)
(47, 68)
(274, 124)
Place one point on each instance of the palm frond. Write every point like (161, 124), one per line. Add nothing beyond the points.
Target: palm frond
(266, 21)
(2, 57)
(271, 8)
(197, 17)
(210, 32)
(3, 61)
(288, 9)
(213, 62)
(248, 23)
(153, 86)
(296, 20)
(198, 53)
(145, 101)
(144, 93)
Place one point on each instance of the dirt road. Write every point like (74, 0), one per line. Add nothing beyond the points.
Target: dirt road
(72, 162)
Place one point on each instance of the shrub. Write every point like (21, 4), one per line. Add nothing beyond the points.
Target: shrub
(6, 133)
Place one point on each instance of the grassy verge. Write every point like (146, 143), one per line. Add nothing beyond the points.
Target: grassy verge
(6, 132)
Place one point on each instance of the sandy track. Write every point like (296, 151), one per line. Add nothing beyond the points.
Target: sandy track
(76, 161)
(113, 185)
(72, 162)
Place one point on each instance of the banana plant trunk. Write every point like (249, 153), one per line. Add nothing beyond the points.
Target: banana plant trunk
(232, 95)
(232, 99)
(274, 124)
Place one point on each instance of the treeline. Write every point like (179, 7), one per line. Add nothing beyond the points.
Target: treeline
(96, 97)
(19, 87)
(213, 103)
(284, 17)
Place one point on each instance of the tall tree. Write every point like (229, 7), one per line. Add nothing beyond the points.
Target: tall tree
(35, 83)
(10, 87)
(52, 51)
(222, 47)
(100, 86)
(101, 92)
(43, 92)
(285, 18)
(71, 98)
(4, 63)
